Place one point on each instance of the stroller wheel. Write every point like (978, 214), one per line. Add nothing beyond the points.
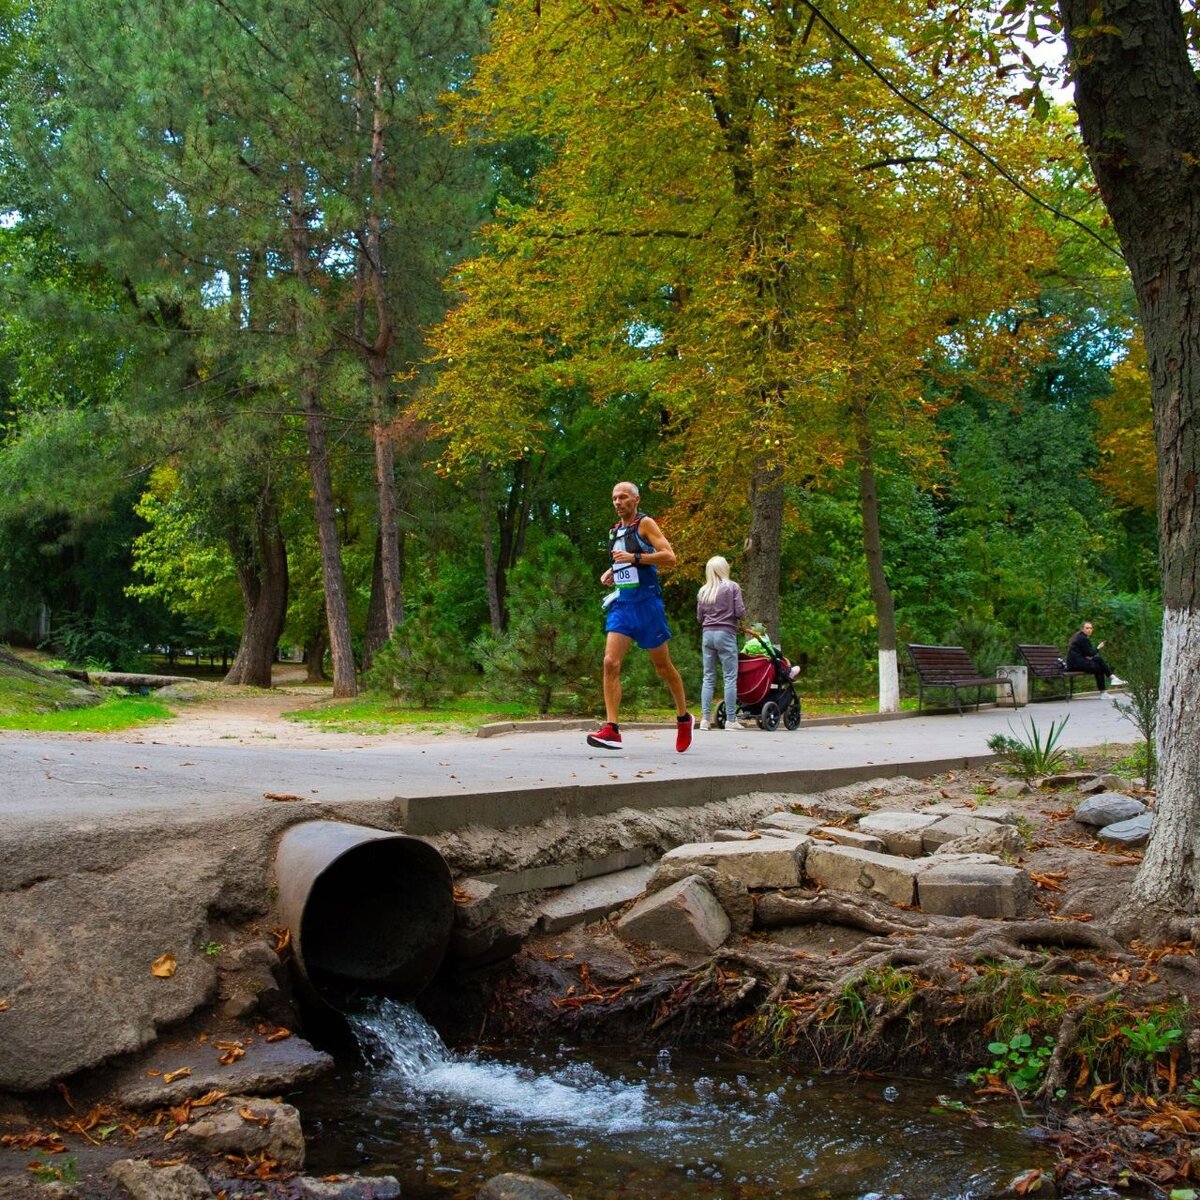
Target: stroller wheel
(768, 717)
(791, 718)
(719, 716)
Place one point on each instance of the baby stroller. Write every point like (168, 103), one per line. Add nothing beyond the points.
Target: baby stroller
(765, 690)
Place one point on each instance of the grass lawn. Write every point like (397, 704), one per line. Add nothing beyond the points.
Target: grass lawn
(112, 714)
(375, 713)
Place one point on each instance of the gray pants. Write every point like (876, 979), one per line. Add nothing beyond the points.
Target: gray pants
(719, 645)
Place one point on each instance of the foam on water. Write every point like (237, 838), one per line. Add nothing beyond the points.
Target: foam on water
(405, 1047)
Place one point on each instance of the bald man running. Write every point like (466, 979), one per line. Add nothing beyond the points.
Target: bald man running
(638, 548)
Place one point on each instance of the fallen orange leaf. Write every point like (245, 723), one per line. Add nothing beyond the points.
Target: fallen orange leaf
(182, 1073)
(163, 967)
(232, 1051)
(248, 1114)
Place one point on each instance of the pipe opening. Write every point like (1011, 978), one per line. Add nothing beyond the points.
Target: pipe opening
(370, 912)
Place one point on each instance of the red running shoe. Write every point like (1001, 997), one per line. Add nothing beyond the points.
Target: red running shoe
(683, 732)
(607, 737)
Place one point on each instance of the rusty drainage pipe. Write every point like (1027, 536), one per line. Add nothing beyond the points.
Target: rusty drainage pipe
(369, 911)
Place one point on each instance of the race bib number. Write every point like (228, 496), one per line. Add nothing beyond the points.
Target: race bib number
(625, 576)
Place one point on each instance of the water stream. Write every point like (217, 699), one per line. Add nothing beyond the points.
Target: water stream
(608, 1123)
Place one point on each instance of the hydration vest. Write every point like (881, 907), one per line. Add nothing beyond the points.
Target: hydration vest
(633, 582)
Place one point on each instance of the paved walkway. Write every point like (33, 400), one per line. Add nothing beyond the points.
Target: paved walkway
(510, 779)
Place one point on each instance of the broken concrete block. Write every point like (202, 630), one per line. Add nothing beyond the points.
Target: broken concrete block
(789, 821)
(900, 832)
(684, 917)
(592, 899)
(772, 862)
(958, 890)
(1001, 839)
(847, 869)
(851, 837)
(951, 828)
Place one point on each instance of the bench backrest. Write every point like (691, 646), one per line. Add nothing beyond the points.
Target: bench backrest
(1042, 660)
(942, 664)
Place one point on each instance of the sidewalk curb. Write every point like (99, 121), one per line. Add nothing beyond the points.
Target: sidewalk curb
(553, 725)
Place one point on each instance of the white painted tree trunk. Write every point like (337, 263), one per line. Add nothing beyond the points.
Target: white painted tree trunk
(889, 682)
(1167, 875)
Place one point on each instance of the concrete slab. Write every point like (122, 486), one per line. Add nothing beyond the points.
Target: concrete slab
(953, 827)
(900, 832)
(593, 899)
(773, 862)
(888, 877)
(850, 837)
(976, 890)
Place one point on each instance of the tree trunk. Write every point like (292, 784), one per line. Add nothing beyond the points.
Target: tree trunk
(380, 372)
(881, 593)
(260, 559)
(763, 545)
(337, 610)
(385, 482)
(495, 607)
(314, 654)
(377, 625)
(1139, 112)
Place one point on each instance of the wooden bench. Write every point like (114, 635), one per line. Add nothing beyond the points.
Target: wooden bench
(951, 667)
(1046, 664)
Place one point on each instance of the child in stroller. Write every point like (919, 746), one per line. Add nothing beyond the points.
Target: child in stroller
(766, 687)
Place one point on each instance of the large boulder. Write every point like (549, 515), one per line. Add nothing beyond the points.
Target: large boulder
(1107, 808)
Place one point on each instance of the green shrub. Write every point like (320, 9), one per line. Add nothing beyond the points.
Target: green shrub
(551, 655)
(424, 662)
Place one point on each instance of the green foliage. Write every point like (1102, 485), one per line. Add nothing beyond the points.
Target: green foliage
(1016, 999)
(1031, 754)
(62, 1169)
(424, 662)
(1150, 1037)
(1140, 666)
(1017, 1062)
(552, 651)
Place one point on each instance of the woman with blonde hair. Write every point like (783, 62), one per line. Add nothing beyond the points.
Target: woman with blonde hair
(719, 609)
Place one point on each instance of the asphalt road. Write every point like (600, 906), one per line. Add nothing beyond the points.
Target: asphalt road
(52, 780)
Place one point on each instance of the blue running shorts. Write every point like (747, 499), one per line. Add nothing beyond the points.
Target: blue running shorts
(645, 621)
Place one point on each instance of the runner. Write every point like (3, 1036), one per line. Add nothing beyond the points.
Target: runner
(635, 610)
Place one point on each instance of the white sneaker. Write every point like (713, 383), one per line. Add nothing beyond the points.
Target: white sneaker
(734, 725)
(793, 672)
(704, 725)
(1113, 681)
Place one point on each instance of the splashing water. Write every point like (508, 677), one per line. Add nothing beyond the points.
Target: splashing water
(405, 1047)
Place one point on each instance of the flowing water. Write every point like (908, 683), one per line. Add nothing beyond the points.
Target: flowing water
(607, 1123)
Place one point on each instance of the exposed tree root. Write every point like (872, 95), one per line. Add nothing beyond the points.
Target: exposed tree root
(1065, 1044)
